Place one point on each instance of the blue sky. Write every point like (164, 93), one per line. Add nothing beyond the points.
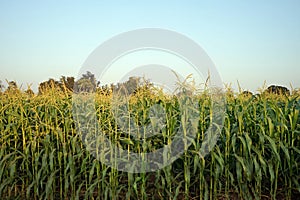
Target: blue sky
(249, 41)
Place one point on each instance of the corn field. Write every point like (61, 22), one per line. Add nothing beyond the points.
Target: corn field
(257, 156)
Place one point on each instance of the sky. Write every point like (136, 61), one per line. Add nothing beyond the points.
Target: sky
(250, 42)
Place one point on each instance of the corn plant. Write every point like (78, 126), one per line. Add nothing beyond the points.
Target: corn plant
(43, 156)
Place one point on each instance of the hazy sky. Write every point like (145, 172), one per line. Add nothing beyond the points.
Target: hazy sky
(249, 41)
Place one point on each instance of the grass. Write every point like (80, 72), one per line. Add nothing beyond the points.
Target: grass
(42, 156)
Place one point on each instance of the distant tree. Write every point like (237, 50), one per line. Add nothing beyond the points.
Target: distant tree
(246, 94)
(67, 83)
(12, 86)
(50, 84)
(89, 75)
(131, 86)
(87, 83)
(279, 90)
(70, 82)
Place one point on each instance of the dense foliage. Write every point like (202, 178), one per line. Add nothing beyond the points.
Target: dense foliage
(43, 157)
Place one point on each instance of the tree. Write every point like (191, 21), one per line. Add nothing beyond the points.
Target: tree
(279, 90)
(246, 93)
(131, 86)
(67, 83)
(50, 84)
(128, 87)
(12, 87)
(87, 83)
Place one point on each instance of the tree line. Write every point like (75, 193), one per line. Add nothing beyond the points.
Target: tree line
(87, 83)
